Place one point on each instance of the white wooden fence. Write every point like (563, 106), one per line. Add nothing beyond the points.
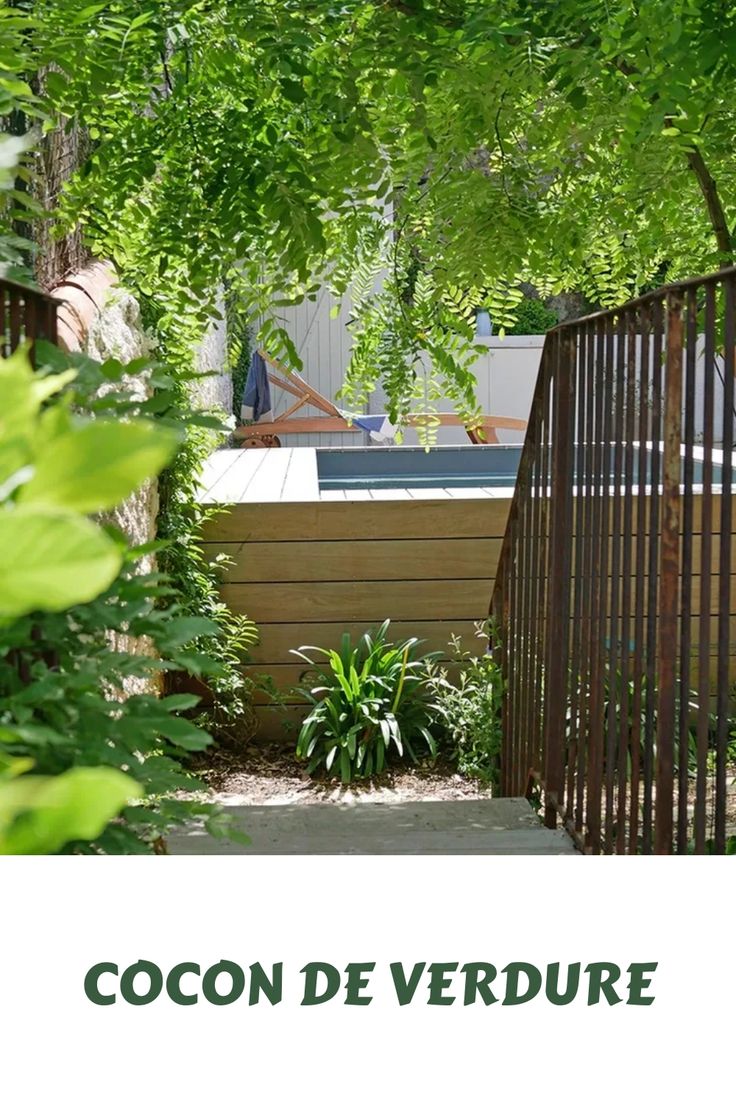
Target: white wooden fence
(506, 374)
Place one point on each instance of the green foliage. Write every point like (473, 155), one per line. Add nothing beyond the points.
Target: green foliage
(369, 705)
(532, 317)
(407, 337)
(66, 700)
(238, 349)
(50, 559)
(81, 626)
(38, 816)
(468, 709)
(475, 146)
(97, 465)
(227, 708)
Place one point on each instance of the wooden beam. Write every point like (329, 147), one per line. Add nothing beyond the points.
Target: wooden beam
(341, 425)
(282, 425)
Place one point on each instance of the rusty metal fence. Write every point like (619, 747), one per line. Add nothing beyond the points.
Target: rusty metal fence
(614, 598)
(25, 315)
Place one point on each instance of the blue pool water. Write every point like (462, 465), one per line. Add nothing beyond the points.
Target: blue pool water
(445, 466)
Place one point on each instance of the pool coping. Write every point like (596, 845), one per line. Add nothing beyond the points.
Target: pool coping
(276, 475)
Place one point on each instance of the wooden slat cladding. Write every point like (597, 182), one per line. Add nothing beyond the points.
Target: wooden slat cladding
(399, 599)
(307, 572)
(277, 640)
(414, 519)
(345, 560)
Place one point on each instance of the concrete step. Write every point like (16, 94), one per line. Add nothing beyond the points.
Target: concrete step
(498, 826)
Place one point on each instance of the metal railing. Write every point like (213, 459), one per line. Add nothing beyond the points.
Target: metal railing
(614, 600)
(25, 315)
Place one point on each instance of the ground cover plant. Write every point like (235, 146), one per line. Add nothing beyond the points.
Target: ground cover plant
(467, 708)
(380, 701)
(369, 704)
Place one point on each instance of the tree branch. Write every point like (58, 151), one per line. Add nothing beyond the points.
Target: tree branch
(712, 200)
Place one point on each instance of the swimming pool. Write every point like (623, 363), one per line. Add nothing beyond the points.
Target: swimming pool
(354, 469)
(444, 466)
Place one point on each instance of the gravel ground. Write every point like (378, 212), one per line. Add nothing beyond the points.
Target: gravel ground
(269, 775)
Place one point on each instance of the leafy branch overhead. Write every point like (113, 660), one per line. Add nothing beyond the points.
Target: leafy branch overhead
(581, 146)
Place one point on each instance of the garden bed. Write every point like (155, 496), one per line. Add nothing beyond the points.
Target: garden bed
(266, 774)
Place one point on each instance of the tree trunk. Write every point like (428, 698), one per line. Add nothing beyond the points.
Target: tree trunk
(713, 203)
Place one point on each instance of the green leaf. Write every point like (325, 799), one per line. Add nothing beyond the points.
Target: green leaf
(39, 815)
(183, 630)
(180, 702)
(182, 733)
(99, 465)
(50, 560)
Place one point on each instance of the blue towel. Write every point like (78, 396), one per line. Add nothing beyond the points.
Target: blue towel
(377, 425)
(257, 392)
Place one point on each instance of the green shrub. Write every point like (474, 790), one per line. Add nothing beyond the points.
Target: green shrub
(468, 711)
(532, 317)
(371, 703)
(86, 765)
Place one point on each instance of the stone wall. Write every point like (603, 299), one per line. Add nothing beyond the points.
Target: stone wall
(103, 320)
(214, 391)
(98, 317)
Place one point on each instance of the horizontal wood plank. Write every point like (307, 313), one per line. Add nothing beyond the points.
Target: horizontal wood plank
(364, 520)
(335, 561)
(454, 599)
(278, 726)
(285, 678)
(276, 641)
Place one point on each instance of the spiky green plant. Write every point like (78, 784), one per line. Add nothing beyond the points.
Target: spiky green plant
(370, 703)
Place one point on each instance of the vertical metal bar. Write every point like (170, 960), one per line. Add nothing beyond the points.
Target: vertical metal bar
(706, 553)
(573, 733)
(599, 569)
(585, 487)
(615, 690)
(50, 333)
(624, 738)
(512, 661)
(504, 634)
(558, 605)
(607, 669)
(524, 639)
(30, 324)
(669, 566)
(535, 580)
(576, 753)
(652, 579)
(686, 573)
(724, 567)
(641, 563)
(536, 566)
(544, 502)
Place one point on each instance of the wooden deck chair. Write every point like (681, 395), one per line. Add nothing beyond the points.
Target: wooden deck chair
(267, 434)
